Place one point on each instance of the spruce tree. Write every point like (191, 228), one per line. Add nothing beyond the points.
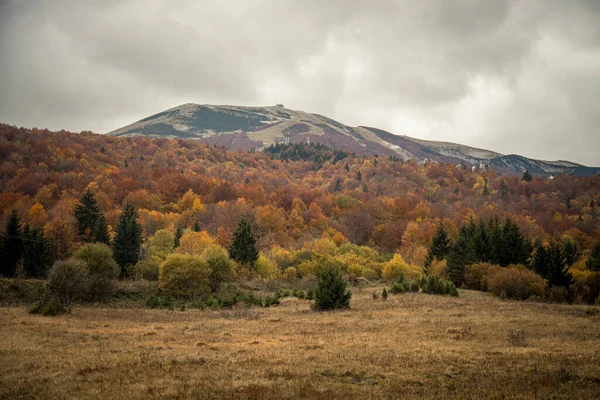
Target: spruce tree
(439, 245)
(514, 247)
(86, 214)
(593, 263)
(128, 238)
(178, 235)
(527, 176)
(12, 245)
(503, 190)
(539, 262)
(558, 271)
(243, 244)
(100, 233)
(197, 227)
(494, 230)
(37, 253)
(459, 256)
(570, 252)
(331, 292)
(481, 242)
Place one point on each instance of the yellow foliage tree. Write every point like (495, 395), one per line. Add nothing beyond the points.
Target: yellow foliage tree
(195, 242)
(397, 266)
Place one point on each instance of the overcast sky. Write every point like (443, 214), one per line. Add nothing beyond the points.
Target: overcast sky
(518, 76)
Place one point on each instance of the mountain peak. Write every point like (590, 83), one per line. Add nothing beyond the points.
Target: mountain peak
(241, 127)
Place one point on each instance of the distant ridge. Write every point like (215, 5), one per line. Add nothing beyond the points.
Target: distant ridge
(246, 128)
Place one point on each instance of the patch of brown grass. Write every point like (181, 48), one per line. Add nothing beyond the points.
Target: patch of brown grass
(411, 346)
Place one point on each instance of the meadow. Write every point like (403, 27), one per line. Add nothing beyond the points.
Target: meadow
(411, 346)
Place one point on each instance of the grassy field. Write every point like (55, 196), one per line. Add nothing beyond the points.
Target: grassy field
(412, 346)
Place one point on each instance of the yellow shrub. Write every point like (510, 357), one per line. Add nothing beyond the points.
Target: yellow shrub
(291, 273)
(184, 275)
(195, 242)
(438, 268)
(397, 266)
(282, 257)
(324, 247)
(266, 268)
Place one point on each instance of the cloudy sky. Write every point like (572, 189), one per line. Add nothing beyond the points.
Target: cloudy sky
(518, 76)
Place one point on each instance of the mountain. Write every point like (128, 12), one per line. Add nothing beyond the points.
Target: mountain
(255, 128)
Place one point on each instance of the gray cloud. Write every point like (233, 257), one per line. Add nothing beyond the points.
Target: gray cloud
(515, 76)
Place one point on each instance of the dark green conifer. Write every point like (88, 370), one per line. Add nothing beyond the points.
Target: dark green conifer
(11, 245)
(440, 245)
(331, 292)
(243, 244)
(100, 233)
(128, 238)
(86, 214)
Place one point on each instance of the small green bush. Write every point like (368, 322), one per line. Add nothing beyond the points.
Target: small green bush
(331, 292)
(436, 285)
(384, 294)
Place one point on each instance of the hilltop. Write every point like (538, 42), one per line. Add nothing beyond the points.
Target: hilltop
(255, 128)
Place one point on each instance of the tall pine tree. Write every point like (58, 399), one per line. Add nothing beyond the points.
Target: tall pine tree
(37, 253)
(128, 238)
(243, 244)
(593, 263)
(514, 248)
(86, 214)
(482, 245)
(439, 245)
(100, 233)
(459, 256)
(558, 271)
(11, 245)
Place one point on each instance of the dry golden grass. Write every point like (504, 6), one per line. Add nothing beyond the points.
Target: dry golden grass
(411, 346)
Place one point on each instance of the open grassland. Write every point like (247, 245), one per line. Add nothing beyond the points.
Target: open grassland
(413, 345)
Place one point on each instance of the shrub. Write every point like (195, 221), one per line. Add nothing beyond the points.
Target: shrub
(397, 266)
(476, 276)
(161, 244)
(147, 269)
(102, 270)
(515, 282)
(221, 266)
(184, 275)
(266, 268)
(436, 285)
(67, 283)
(438, 268)
(331, 292)
(291, 273)
(384, 294)
(586, 287)
(558, 294)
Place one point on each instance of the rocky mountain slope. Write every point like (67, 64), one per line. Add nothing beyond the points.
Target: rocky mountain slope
(258, 127)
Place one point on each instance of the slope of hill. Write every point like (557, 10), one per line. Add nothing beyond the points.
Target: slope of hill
(246, 128)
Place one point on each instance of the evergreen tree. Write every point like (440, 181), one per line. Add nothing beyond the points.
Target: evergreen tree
(346, 167)
(178, 235)
(481, 242)
(100, 232)
(440, 245)
(494, 230)
(539, 262)
(514, 247)
(243, 244)
(527, 176)
(593, 263)
(503, 190)
(486, 191)
(37, 253)
(459, 256)
(570, 252)
(128, 238)
(197, 227)
(331, 292)
(359, 176)
(86, 214)
(558, 271)
(338, 185)
(12, 245)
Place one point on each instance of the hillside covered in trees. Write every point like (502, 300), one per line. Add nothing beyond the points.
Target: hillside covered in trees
(300, 199)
